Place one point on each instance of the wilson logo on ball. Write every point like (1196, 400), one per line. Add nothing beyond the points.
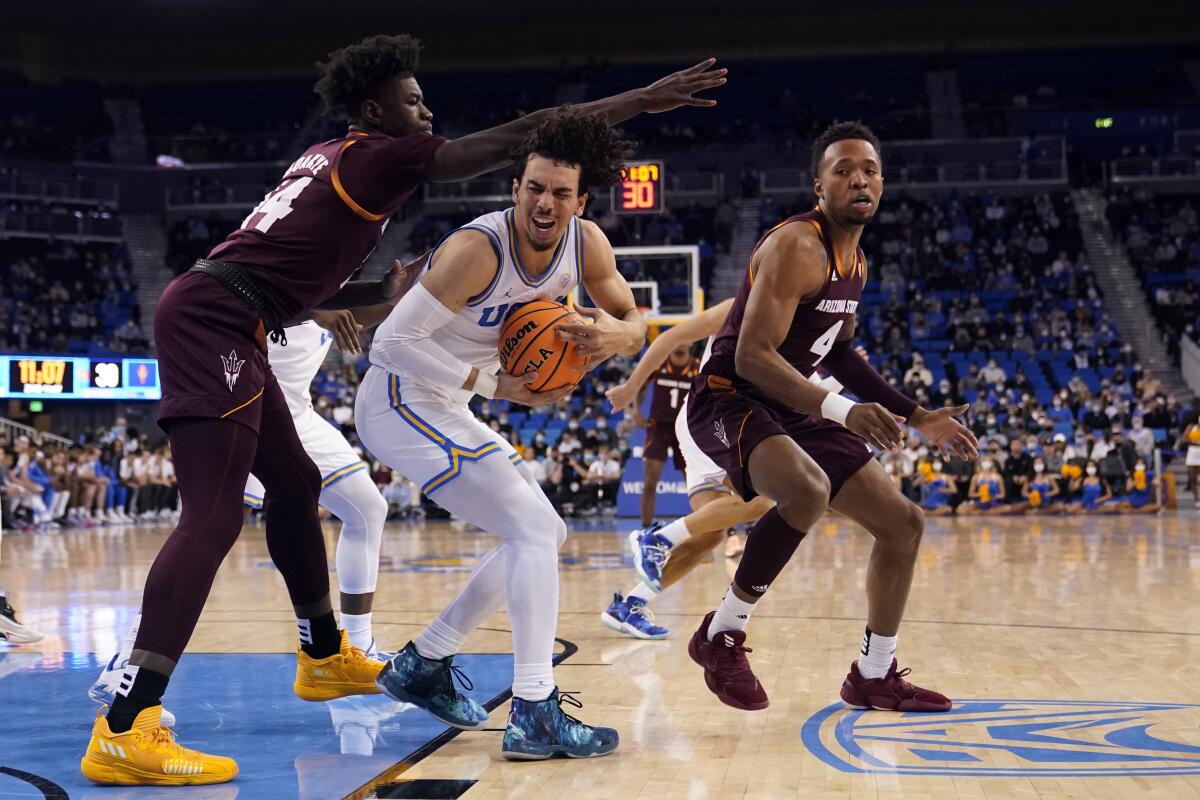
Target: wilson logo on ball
(528, 341)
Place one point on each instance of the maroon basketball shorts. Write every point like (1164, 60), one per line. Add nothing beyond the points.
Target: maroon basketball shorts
(212, 353)
(728, 425)
(661, 438)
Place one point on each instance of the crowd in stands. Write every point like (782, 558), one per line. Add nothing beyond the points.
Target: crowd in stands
(67, 297)
(115, 477)
(1082, 452)
(1161, 234)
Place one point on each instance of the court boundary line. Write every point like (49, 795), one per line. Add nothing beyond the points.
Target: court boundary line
(679, 615)
(389, 775)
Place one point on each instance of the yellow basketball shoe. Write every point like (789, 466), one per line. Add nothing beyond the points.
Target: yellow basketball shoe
(148, 755)
(348, 672)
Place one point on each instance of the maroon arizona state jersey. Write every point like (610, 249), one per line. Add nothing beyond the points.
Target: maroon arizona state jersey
(671, 385)
(308, 236)
(817, 323)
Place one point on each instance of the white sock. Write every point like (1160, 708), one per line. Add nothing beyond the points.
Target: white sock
(533, 682)
(438, 641)
(358, 628)
(130, 637)
(877, 654)
(674, 532)
(732, 614)
(642, 590)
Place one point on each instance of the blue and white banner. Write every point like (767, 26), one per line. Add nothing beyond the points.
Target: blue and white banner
(672, 498)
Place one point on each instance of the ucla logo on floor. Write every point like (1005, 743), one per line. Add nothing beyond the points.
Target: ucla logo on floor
(1012, 738)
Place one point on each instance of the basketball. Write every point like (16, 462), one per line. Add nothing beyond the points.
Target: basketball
(528, 342)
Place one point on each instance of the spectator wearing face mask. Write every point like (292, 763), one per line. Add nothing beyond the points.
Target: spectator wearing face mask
(1158, 416)
(1017, 470)
(1042, 491)
(1140, 490)
(601, 435)
(1060, 412)
(938, 488)
(1095, 418)
(993, 373)
(1094, 493)
(986, 493)
(918, 375)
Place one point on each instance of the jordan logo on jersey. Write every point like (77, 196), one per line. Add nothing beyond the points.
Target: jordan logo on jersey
(233, 368)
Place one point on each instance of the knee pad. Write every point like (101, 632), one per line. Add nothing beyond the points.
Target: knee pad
(375, 510)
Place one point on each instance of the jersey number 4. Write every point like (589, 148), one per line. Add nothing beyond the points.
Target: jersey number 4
(824, 344)
(275, 206)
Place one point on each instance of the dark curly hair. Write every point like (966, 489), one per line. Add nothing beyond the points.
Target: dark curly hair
(352, 73)
(836, 133)
(581, 140)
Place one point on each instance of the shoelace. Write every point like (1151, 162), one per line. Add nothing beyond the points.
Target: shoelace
(657, 554)
(165, 737)
(455, 673)
(570, 699)
(643, 611)
(736, 656)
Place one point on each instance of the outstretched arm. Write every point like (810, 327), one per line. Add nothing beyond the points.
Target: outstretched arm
(701, 326)
(477, 153)
(387, 290)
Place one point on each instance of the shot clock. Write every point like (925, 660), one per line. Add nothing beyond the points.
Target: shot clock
(640, 190)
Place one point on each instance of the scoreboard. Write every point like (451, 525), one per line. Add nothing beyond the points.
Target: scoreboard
(79, 378)
(640, 190)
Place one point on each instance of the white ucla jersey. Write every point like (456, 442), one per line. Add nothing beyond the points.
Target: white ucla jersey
(473, 336)
(296, 365)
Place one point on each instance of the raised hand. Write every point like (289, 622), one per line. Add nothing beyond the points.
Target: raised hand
(876, 424)
(679, 88)
(621, 396)
(943, 431)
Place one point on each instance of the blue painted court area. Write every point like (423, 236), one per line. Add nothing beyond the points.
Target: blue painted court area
(236, 705)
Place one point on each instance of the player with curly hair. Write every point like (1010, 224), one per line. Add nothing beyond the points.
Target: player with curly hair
(436, 350)
(226, 415)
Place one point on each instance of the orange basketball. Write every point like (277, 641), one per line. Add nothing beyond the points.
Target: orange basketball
(528, 342)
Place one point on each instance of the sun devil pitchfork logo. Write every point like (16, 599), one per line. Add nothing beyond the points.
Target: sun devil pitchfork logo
(719, 432)
(1012, 739)
(233, 368)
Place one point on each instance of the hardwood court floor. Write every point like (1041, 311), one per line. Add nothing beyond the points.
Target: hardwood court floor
(1072, 647)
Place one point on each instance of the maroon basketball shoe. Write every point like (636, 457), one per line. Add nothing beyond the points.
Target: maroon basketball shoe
(890, 693)
(726, 670)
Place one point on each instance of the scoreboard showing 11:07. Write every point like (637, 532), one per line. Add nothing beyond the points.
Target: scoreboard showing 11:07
(78, 378)
(641, 188)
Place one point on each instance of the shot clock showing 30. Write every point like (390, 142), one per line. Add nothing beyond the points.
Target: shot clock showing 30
(640, 190)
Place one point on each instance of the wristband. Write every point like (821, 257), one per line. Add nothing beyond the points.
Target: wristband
(485, 385)
(836, 408)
